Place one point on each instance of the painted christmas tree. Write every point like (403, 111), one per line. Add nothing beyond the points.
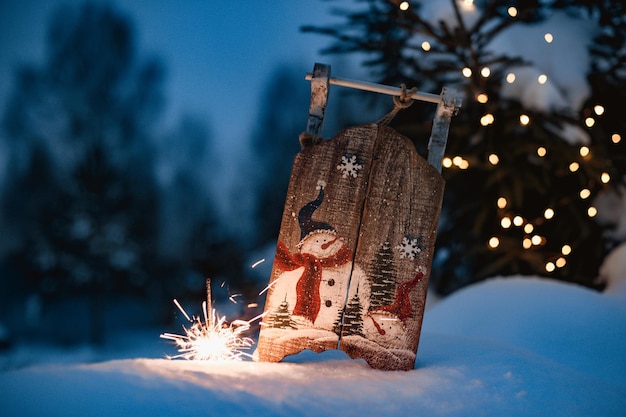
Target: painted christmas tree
(383, 285)
(281, 318)
(351, 321)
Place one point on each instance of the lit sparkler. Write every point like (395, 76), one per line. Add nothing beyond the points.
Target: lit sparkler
(209, 337)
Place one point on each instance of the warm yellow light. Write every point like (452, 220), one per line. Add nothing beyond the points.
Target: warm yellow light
(605, 178)
(404, 5)
(524, 119)
(560, 263)
(548, 37)
(482, 98)
(584, 151)
(485, 72)
(505, 222)
(616, 138)
(566, 250)
(467, 72)
(528, 228)
(550, 267)
(512, 11)
(574, 166)
(541, 151)
(502, 202)
(493, 159)
(447, 162)
(548, 214)
(584, 193)
(590, 121)
(457, 160)
(598, 109)
(464, 164)
(494, 242)
(510, 78)
(527, 243)
(542, 79)
(487, 119)
(518, 221)
(592, 211)
(536, 240)
(426, 46)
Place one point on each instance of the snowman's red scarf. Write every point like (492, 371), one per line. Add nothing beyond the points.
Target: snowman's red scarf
(308, 287)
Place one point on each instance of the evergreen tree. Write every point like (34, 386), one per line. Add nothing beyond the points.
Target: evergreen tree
(522, 166)
(82, 194)
(382, 273)
(350, 320)
(281, 318)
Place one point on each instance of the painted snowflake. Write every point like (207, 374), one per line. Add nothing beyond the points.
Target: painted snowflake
(410, 247)
(349, 166)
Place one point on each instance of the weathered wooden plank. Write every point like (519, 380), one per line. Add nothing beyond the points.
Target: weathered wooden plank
(446, 108)
(395, 248)
(319, 99)
(313, 265)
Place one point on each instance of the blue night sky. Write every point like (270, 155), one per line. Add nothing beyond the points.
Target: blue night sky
(218, 54)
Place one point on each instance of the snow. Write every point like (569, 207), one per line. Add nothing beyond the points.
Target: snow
(515, 346)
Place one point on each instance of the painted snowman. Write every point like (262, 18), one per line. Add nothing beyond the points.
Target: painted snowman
(386, 325)
(315, 280)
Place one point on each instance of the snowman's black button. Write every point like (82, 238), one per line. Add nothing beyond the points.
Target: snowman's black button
(331, 282)
(328, 303)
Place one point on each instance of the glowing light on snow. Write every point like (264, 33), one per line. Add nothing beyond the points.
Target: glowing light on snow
(467, 72)
(541, 151)
(573, 167)
(584, 193)
(404, 5)
(512, 11)
(605, 178)
(584, 151)
(426, 46)
(510, 78)
(598, 109)
(548, 214)
(494, 242)
(542, 79)
(502, 202)
(590, 121)
(493, 159)
(566, 250)
(485, 72)
(592, 211)
(616, 138)
(548, 37)
(210, 338)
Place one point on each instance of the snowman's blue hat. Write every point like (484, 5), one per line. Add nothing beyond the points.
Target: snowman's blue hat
(309, 226)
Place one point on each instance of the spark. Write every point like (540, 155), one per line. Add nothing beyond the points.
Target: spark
(270, 285)
(211, 339)
(257, 263)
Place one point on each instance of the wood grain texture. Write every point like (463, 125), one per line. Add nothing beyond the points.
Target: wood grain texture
(368, 193)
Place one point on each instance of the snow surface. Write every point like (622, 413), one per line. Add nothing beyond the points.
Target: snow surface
(519, 346)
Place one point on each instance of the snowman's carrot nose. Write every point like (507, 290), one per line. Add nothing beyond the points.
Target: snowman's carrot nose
(327, 244)
(380, 329)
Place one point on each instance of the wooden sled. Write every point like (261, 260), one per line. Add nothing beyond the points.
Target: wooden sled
(356, 241)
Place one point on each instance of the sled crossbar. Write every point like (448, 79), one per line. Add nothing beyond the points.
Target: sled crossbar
(448, 105)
